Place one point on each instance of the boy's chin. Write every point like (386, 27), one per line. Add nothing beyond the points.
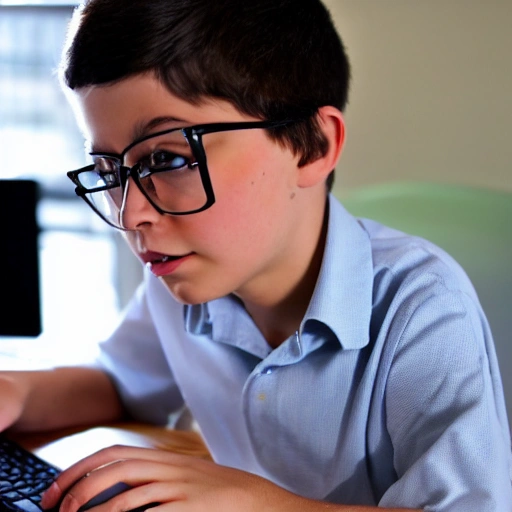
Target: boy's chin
(188, 294)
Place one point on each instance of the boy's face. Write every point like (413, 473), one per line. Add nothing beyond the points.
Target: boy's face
(254, 238)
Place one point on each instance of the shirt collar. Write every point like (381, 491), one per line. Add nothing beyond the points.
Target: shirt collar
(342, 299)
(225, 320)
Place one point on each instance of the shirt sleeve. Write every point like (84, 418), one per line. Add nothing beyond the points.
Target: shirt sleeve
(446, 422)
(134, 359)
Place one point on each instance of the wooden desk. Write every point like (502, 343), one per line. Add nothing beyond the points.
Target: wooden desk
(63, 448)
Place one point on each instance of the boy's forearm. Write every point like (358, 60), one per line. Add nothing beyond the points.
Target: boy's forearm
(64, 397)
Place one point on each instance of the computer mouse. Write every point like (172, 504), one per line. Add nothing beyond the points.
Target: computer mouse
(109, 493)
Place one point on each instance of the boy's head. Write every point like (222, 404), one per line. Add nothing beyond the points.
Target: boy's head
(214, 126)
(271, 59)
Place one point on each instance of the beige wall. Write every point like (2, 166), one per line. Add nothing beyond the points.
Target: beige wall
(431, 95)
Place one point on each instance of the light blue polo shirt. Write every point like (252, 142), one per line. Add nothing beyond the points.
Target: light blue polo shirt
(389, 394)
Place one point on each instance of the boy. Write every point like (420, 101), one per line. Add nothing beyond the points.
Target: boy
(330, 363)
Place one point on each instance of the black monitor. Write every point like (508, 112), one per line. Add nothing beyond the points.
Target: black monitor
(20, 308)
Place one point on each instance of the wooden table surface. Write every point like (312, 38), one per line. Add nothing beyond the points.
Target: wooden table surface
(65, 447)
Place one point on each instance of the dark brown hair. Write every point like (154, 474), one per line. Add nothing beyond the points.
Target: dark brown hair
(273, 59)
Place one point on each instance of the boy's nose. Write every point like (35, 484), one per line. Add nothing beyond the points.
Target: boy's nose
(135, 210)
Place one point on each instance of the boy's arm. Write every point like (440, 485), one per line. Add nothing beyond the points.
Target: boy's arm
(58, 398)
(181, 481)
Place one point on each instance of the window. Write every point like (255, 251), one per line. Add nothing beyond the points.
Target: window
(39, 139)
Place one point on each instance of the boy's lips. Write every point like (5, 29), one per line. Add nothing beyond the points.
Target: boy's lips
(162, 264)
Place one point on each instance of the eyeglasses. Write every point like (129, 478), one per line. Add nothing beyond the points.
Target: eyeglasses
(169, 168)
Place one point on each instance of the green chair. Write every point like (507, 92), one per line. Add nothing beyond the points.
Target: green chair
(473, 225)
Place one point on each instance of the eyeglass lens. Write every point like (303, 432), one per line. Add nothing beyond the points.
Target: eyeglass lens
(163, 167)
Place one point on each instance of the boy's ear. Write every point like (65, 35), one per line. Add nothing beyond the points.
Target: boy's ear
(331, 122)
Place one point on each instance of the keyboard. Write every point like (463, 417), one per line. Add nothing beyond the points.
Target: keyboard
(23, 477)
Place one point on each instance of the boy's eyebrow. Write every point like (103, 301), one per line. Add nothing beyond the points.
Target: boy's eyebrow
(142, 129)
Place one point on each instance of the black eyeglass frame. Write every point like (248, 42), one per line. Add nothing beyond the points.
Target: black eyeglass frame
(193, 135)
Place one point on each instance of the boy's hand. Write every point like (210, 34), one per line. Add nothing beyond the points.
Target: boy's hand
(12, 401)
(190, 484)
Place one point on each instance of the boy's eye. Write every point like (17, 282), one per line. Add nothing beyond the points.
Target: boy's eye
(110, 179)
(162, 161)
(105, 164)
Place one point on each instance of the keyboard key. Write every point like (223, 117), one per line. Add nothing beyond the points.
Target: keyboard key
(23, 477)
(27, 506)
